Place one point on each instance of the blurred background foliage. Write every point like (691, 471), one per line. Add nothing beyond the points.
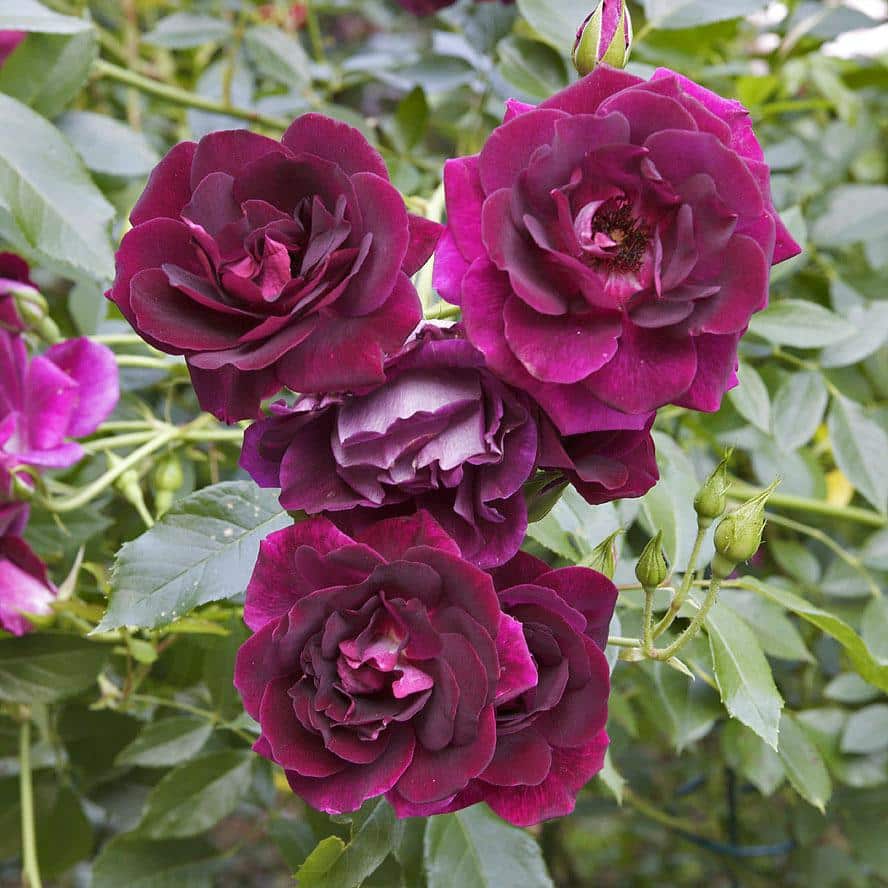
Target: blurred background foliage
(143, 777)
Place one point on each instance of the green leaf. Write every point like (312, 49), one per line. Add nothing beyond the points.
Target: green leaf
(854, 213)
(800, 324)
(573, 528)
(185, 30)
(49, 208)
(742, 673)
(534, 68)
(473, 848)
(672, 14)
(866, 730)
(776, 633)
(278, 56)
(798, 409)
(863, 661)
(612, 778)
(691, 708)
(803, 763)
(108, 146)
(412, 117)
(751, 399)
(64, 833)
(849, 687)
(48, 70)
(320, 860)
(169, 741)
(136, 862)
(872, 333)
(197, 795)
(859, 446)
(751, 757)
(203, 549)
(48, 668)
(28, 15)
(371, 842)
(797, 560)
(874, 628)
(293, 838)
(556, 21)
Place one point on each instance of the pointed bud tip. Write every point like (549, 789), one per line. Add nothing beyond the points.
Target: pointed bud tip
(604, 37)
(652, 569)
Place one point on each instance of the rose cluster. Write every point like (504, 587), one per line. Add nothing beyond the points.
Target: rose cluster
(606, 251)
(45, 401)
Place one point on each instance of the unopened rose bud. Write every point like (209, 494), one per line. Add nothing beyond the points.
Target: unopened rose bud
(604, 556)
(652, 569)
(739, 535)
(168, 478)
(605, 36)
(711, 501)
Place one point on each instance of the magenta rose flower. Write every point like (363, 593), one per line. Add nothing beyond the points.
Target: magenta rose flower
(24, 585)
(14, 276)
(602, 466)
(67, 392)
(9, 42)
(550, 728)
(273, 264)
(609, 247)
(441, 433)
(375, 662)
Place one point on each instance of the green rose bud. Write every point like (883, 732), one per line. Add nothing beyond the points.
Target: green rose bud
(739, 535)
(168, 478)
(652, 569)
(604, 37)
(711, 501)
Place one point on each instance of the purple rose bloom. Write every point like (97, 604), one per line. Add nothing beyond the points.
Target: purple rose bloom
(550, 728)
(273, 264)
(67, 392)
(375, 661)
(9, 42)
(441, 433)
(609, 247)
(24, 585)
(427, 7)
(602, 466)
(14, 276)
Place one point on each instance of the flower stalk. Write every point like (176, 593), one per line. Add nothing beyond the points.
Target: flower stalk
(30, 864)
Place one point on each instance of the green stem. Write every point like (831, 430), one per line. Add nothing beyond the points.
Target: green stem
(119, 339)
(741, 491)
(31, 869)
(651, 811)
(146, 362)
(315, 36)
(207, 714)
(118, 441)
(668, 652)
(680, 597)
(623, 642)
(647, 621)
(773, 108)
(442, 311)
(183, 97)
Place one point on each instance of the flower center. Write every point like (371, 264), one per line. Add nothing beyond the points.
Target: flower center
(608, 234)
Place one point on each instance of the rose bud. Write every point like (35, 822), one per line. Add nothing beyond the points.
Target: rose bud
(609, 247)
(15, 282)
(377, 661)
(604, 37)
(67, 392)
(441, 433)
(550, 722)
(711, 500)
(651, 569)
(24, 586)
(739, 534)
(273, 264)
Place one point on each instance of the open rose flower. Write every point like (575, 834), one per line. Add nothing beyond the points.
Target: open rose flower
(273, 264)
(609, 247)
(67, 392)
(602, 466)
(551, 736)
(24, 585)
(376, 662)
(14, 276)
(441, 433)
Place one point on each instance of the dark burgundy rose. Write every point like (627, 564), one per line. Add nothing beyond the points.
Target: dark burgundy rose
(550, 727)
(14, 276)
(427, 7)
(442, 433)
(603, 466)
(273, 264)
(609, 247)
(375, 662)
(24, 585)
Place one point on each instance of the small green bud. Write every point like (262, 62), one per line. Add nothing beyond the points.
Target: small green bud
(711, 500)
(652, 569)
(739, 534)
(168, 478)
(34, 312)
(604, 556)
(604, 37)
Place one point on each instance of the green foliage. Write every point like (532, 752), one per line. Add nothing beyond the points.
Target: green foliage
(775, 712)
